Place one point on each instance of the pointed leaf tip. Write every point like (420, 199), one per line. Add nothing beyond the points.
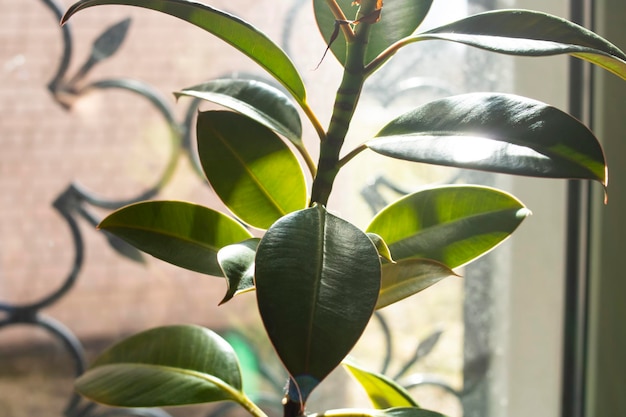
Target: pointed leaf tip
(237, 263)
(183, 234)
(240, 34)
(452, 224)
(381, 390)
(338, 280)
(498, 133)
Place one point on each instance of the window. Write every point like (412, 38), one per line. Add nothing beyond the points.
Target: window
(68, 158)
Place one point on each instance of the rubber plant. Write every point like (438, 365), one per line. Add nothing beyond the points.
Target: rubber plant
(318, 278)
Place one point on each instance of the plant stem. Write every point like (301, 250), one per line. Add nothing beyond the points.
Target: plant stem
(345, 104)
(251, 407)
(389, 52)
(354, 152)
(292, 408)
(314, 120)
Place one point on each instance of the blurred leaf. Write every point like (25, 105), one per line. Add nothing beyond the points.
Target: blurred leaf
(530, 33)
(382, 391)
(495, 132)
(250, 168)
(423, 349)
(317, 281)
(109, 42)
(165, 366)
(381, 246)
(183, 234)
(255, 99)
(399, 19)
(237, 262)
(408, 277)
(231, 29)
(449, 224)
(391, 412)
(427, 345)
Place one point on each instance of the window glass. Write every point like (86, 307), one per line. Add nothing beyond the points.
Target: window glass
(86, 127)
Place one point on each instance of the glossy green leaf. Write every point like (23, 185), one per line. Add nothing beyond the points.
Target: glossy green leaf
(529, 33)
(165, 366)
(237, 262)
(408, 277)
(382, 391)
(399, 19)
(317, 281)
(231, 29)
(255, 99)
(250, 168)
(495, 132)
(391, 412)
(381, 246)
(449, 224)
(183, 234)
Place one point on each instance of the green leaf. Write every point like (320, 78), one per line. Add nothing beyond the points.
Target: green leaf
(231, 29)
(399, 19)
(381, 246)
(382, 391)
(183, 234)
(449, 224)
(495, 132)
(255, 99)
(165, 366)
(408, 277)
(250, 168)
(317, 281)
(237, 262)
(530, 33)
(391, 412)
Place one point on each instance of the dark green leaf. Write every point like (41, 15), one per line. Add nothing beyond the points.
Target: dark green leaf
(407, 277)
(495, 132)
(180, 233)
(166, 366)
(399, 19)
(317, 281)
(237, 262)
(381, 390)
(250, 168)
(255, 99)
(231, 29)
(391, 412)
(450, 224)
(530, 33)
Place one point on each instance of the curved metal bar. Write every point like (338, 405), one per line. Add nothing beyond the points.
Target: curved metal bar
(28, 313)
(289, 27)
(57, 80)
(418, 380)
(387, 337)
(155, 98)
(187, 141)
(72, 345)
